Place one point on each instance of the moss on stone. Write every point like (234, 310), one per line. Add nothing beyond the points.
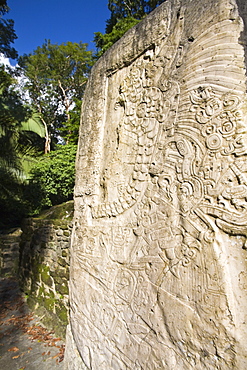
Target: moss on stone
(64, 227)
(52, 245)
(51, 293)
(41, 291)
(44, 269)
(62, 288)
(61, 312)
(36, 266)
(34, 287)
(62, 212)
(61, 285)
(64, 253)
(49, 303)
(62, 262)
(45, 275)
(31, 302)
(60, 272)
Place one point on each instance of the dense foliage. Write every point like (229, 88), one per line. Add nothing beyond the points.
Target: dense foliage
(40, 104)
(45, 103)
(12, 114)
(105, 41)
(13, 147)
(55, 79)
(7, 32)
(121, 9)
(124, 15)
(52, 178)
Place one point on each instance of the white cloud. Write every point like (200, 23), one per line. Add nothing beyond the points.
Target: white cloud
(4, 60)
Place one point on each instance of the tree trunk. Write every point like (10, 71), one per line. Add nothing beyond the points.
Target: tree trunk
(47, 138)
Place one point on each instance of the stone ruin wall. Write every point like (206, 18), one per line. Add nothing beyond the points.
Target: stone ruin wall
(43, 265)
(158, 256)
(37, 255)
(9, 252)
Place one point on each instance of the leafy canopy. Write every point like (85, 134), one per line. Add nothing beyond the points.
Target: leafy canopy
(124, 15)
(52, 178)
(105, 41)
(56, 76)
(7, 32)
(12, 114)
(15, 142)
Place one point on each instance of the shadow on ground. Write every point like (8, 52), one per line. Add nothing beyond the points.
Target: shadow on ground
(24, 343)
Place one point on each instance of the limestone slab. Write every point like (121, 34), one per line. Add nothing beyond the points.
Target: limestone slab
(158, 256)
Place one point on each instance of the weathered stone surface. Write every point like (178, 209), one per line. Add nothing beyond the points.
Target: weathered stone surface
(158, 258)
(9, 252)
(44, 265)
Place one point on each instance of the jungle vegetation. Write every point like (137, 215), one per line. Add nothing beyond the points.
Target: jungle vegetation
(40, 102)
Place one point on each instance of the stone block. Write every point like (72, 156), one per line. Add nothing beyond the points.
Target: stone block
(61, 312)
(43, 268)
(158, 252)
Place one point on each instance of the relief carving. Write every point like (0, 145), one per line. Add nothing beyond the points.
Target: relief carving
(159, 248)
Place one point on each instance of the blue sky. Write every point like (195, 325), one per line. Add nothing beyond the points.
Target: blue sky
(57, 20)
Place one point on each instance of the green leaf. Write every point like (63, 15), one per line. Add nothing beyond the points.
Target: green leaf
(34, 124)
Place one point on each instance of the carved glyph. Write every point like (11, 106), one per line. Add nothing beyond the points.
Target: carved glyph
(158, 251)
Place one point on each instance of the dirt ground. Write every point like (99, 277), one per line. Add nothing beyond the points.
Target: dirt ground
(24, 343)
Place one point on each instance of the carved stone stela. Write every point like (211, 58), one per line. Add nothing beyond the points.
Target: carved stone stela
(158, 268)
